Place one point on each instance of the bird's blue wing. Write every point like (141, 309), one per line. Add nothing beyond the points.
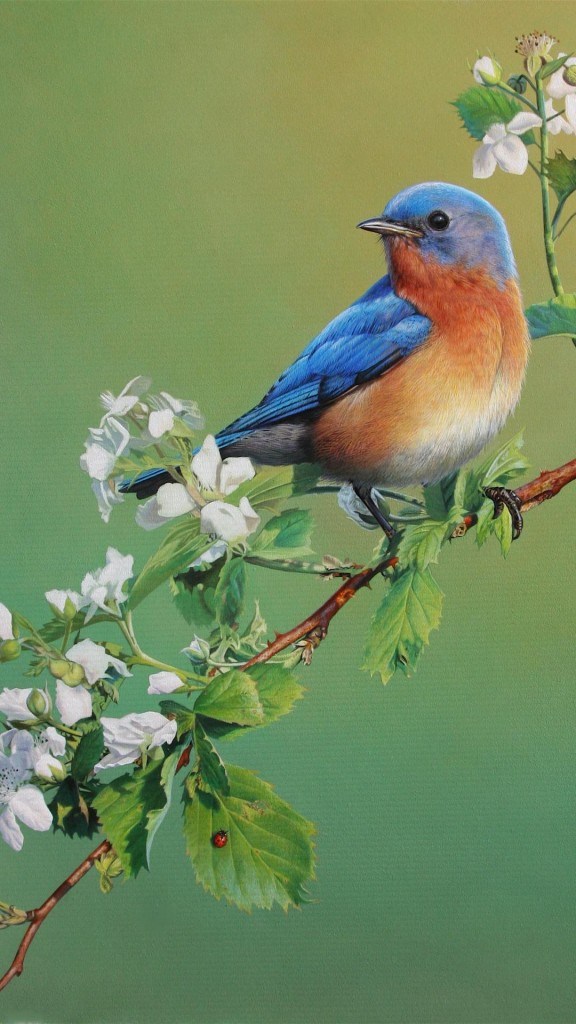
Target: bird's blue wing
(366, 340)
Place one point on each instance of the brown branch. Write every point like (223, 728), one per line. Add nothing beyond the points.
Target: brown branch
(312, 631)
(36, 917)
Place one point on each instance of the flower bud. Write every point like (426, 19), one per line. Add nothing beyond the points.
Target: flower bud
(487, 71)
(518, 83)
(39, 703)
(9, 650)
(68, 671)
(569, 74)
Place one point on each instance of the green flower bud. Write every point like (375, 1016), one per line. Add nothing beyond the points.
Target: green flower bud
(9, 650)
(569, 75)
(39, 703)
(518, 83)
(68, 671)
(487, 71)
(533, 63)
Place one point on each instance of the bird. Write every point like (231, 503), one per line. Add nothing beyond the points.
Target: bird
(414, 378)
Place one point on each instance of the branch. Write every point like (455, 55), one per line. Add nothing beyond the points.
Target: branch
(36, 917)
(312, 631)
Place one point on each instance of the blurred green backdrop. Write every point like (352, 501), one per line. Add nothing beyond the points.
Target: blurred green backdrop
(180, 185)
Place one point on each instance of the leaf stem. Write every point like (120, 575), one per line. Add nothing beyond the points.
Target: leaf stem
(293, 565)
(141, 658)
(545, 193)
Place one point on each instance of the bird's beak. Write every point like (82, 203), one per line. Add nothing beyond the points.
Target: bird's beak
(389, 227)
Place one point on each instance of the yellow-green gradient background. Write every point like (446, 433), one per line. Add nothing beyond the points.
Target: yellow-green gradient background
(180, 185)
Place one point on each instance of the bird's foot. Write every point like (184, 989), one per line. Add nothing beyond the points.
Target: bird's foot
(505, 498)
(365, 494)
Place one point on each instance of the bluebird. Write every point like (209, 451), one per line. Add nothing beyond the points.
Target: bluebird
(414, 378)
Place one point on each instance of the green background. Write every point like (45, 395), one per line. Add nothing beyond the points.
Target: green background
(180, 185)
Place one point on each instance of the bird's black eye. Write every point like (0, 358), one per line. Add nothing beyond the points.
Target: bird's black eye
(438, 220)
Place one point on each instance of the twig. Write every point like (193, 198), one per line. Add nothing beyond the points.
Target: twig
(313, 629)
(36, 917)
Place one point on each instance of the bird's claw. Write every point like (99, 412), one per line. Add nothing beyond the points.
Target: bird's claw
(503, 498)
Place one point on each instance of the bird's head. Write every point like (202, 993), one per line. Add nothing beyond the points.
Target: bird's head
(449, 225)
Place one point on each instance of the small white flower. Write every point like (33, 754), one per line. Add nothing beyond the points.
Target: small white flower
(229, 522)
(170, 501)
(198, 649)
(47, 748)
(129, 737)
(19, 800)
(556, 85)
(218, 549)
(75, 702)
(65, 601)
(104, 585)
(487, 71)
(502, 147)
(164, 682)
(126, 400)
(555, 122)
(160, 422)
(6, 629)
(103, 448)
(107, 495)
(14, 704)
(223, 477)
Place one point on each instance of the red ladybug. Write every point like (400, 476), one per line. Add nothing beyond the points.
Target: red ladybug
(219, 839)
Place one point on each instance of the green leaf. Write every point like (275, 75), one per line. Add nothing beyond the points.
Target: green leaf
(285, 536)
(269, 856)
(278, 689)
(229, 593)
(439, 498)
(272, 485)
(131, 809)
(194, 594)
(553, 65)
(182, 543)
(501, 467)
(421, 542)
(401, 627)
(87, 753)
(210, 765)
(232, 697)
(480, 107)
(71, 810)
(503, 531)
(562, 175)
(184, 717)
(558, 316)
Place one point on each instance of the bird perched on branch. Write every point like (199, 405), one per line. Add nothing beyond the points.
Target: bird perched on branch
(416, 376)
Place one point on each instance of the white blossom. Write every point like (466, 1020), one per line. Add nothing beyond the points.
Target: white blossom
(19, 801)
(216, 551)
(129, 737)
(103, 448)
(75, 702)
(126, 400)
(6, 627)
(198, 649)
(105, 585)
(502, 147)
(107, 495)
(48, 746)
(487, 71)
(556, 85)
(229, 522)
(215, 474)
(170, 501)
(14, 704)
(65, 601)
(164, 682)
(555, 122)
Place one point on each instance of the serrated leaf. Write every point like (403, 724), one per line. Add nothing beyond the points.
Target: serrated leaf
(562, 175)
(272, 485)
(439, 497)
(269, 856)
(553, 317)
(131, 809)
(277, 689)
(87, 753)
(401, 627)
(182, 544)
(480, 107)
(229, 593)
(503, 531)
(285, 536)
(232, 697)
(71, 812)
(421, 543)
(184, 717)
(194, 594)
(501, 467)
(210, 765)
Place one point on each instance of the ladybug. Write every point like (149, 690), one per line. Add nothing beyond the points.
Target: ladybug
(219, 839)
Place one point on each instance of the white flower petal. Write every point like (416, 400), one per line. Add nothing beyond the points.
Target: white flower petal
(28, 805)
(234, 472)
(556, 86)
(10, 830)
(147, 515)
(173, 500)
(107, 495)
(484, 162)
(164, 682)
(206, 464)
(127, 737)
(58, 599)
(73, 702)
(44, 764)
(570, 109)
(160, 422)
(523, 122)
(13, 705)
(511, 155)
(127, 399)
(53, 741)
(218, 549)
(495, 133)
(92, 657)
(97, 462)
(229, 522)
(486, 71)
(6, 630)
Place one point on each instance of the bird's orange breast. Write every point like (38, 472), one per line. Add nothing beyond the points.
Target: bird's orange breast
(440, 405)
